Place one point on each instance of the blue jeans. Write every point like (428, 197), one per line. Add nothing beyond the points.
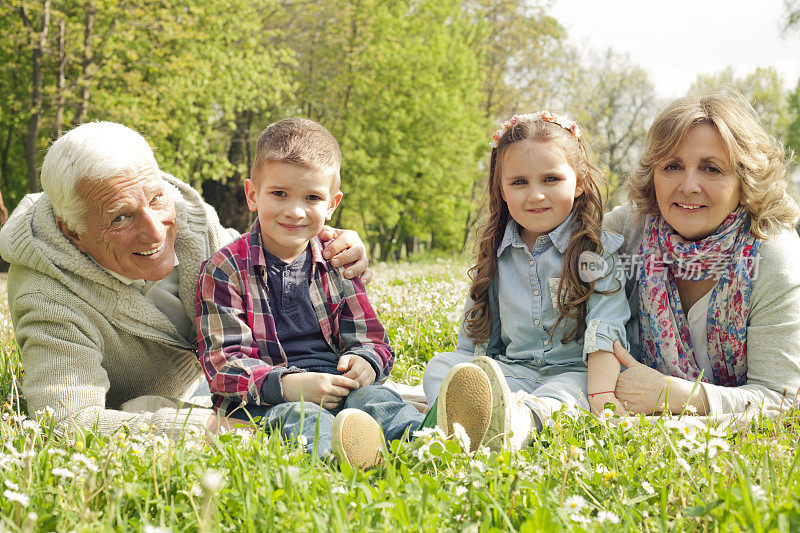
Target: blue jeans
(293, 419)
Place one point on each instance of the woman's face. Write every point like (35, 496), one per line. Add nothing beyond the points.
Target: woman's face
(696, 187)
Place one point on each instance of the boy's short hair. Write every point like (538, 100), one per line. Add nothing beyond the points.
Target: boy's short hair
(302, 142)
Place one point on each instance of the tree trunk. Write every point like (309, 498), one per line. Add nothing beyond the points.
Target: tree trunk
(58, 120)
(227, 196)
(87, 65)
(37, 49)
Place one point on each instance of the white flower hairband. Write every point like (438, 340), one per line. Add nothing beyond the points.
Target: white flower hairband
(569, 125)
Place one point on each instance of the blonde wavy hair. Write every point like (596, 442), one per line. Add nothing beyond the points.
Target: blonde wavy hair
(757, 157)
(586, 231)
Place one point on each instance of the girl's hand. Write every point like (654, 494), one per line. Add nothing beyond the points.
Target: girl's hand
(640, 388)
(325, 390)
(357, 368)
(347, 247)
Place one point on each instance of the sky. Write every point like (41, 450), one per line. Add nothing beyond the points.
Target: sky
(675, 40)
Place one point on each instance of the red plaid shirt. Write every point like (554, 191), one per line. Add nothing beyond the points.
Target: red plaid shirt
(237, 342)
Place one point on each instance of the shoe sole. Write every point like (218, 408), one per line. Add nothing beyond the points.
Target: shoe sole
(357, 439)
(465, 396)
(497, 432)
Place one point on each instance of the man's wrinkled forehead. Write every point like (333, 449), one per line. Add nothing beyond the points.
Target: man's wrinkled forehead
(102, 192)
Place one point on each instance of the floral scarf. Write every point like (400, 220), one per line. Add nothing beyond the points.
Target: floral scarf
(729, 254)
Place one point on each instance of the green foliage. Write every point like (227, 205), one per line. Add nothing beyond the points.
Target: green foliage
(764, 89)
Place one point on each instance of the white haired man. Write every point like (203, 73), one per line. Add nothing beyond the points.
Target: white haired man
(103, 280)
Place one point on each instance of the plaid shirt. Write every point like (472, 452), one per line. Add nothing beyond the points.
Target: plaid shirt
(237, 342)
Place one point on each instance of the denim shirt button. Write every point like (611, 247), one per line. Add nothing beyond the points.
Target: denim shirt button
(546, 342)
(537, 322)
(536, 292)
(533, 262)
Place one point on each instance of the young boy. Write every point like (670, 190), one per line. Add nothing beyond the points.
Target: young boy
(282, 334)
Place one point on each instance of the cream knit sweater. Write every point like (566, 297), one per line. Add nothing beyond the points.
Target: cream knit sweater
(773, 327)
(89, 343)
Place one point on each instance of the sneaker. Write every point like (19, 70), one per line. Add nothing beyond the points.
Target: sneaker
(512, 421)
(465, 397)
(357, 439)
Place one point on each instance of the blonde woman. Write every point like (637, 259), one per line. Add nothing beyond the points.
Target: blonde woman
(715, 285)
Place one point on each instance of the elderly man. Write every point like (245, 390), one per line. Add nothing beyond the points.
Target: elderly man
(102, 284)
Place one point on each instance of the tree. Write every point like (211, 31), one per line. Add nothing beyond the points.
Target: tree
(792, 8)
(763, 88)
(398, 84)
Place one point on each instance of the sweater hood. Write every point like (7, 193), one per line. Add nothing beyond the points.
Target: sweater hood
(31, 239)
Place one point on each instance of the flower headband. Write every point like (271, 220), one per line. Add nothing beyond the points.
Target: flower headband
(546, 116)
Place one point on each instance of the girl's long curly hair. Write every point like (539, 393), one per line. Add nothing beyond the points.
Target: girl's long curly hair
(586, 225)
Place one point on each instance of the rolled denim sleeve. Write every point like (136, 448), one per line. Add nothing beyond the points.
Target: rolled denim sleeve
(607, 313)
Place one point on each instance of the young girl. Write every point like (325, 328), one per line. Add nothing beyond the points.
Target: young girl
(545, 294)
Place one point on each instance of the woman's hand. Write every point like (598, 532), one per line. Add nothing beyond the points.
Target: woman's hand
(642, 389)
(346, 247)
(639, 387)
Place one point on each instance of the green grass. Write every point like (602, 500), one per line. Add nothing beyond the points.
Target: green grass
(579, 474)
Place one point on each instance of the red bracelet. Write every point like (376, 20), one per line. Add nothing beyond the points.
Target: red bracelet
(596, 393)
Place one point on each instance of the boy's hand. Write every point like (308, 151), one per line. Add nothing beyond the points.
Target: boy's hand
(346, 247)
(325, 390)
(357, 368)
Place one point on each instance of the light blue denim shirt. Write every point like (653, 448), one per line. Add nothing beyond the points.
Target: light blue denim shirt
(523, 301)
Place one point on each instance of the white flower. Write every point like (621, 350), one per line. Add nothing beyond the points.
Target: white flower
(423, 453)
(212, 481)
(302, 440)
(461, 437)
(683, 464)
(719, 444)
(690, 409)
(461, 490)
(574, 504)
(648, 488)
(627, 423)
(155, 529)
(11, 485)
(758, 492)
(57, 451)
(607, 414)
(32, 425)
(18, 497)
(81, 458)
(607, 516)
(429, 434)
(63, 473)
(339, 490)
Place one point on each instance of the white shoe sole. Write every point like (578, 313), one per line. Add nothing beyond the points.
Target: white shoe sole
(499, 424)
(357, 439)
(465, 397)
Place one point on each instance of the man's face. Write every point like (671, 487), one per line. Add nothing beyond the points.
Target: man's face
(130, 224)
(293, 203)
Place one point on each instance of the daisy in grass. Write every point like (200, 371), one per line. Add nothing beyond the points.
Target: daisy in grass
(574, 504)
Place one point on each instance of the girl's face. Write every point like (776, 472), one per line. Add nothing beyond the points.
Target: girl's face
(539, 186)
(696, 187)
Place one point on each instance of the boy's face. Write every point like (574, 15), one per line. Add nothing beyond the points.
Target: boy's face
(293, 203)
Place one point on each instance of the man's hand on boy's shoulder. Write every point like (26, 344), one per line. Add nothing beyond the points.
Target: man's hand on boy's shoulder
(346, 247)
(325, 390)
(357, 368)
